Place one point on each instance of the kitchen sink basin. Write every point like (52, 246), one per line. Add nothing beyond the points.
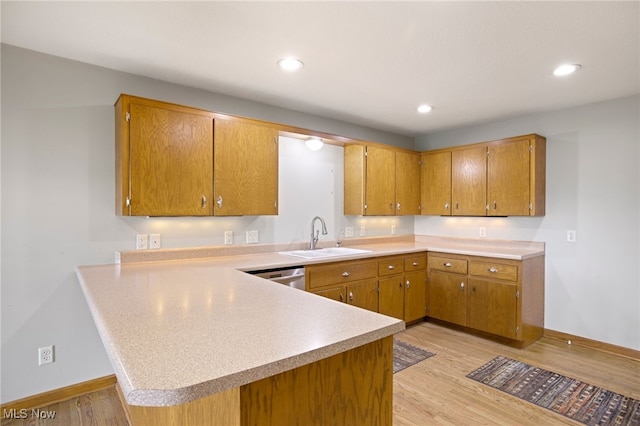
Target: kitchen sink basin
(325, 252)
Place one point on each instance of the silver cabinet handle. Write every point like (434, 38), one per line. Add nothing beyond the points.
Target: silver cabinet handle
(350, 295)
(446, 206)
(448, 265)
(345, 274)
(398, 206)
(341, 297)
(495, 205)
(461, 286)
(219, 202)
(415, 263)
(493, 270)
(204, 202)
(457, 206)
(408, 284)
(473, 288)
(391, 267)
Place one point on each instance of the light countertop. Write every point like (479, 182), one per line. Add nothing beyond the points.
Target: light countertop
(177, 332)
(181, 324)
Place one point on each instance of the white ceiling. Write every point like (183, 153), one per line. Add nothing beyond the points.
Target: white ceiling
(369, 63)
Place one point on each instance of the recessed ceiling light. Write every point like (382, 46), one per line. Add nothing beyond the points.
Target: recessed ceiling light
(424, 108)
(290, 64)
(566, 69)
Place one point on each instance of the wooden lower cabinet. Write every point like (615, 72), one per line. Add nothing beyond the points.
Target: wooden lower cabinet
(392, 296)
(493, 307)
(391, 285)
(448, 297)
(354, 387)
(363, 295)
(501, 297)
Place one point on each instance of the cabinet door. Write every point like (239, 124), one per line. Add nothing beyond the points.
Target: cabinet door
(171, 161)
(392, 296)
(448, 297)
(335, 293)
(245, 168)
(380, 181)
(407, 183)
(415, 296)
(508, 179)
(354, 175)
(469, 182)
(492, 307)
(436, 184)
(363, 295)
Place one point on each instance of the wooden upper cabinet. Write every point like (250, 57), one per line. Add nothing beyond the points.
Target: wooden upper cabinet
(436, 183)
(469, 181)
(516, 176)
(380, 186)
(380, 181)
(245, 168)
(164, 159)
(498, 178)
(407, 183)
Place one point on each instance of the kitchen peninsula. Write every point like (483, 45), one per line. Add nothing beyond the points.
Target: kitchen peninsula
(192, 343)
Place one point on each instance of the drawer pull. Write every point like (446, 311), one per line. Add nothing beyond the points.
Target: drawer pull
(391, 267)
(448, 265)
(204, 202)
(493, 270)
(473, 288)
(446, 206)
(408, 284)
(461, 286)
(345, 274)
(341, 297)
(415, 263)
(351, 295)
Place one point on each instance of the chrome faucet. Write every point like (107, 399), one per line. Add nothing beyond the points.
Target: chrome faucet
(314, 235)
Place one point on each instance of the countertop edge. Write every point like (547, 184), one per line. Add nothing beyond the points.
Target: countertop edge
(171, 397)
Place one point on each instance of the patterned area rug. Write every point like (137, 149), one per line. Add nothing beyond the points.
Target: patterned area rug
(405, 355)
(572, 398)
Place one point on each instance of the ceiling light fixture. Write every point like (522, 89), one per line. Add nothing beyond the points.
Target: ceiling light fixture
(566, 69)
(314, 144)
(290, 64)
(424, 108)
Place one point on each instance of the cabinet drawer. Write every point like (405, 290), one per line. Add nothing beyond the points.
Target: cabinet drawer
(342, 272)
(448, 264)
(490, 269)
(415, 262)
(390, 266)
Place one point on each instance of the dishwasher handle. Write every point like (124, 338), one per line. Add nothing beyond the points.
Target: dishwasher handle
(287, 278)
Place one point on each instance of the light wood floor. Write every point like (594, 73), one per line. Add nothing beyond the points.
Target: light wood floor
(434, 391)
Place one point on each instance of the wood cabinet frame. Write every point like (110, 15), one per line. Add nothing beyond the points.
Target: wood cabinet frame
(508, 302)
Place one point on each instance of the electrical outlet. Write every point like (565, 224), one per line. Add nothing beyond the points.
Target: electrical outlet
(483, 231)
(228, 237)
(141, 241)
(348, 231)
(252, 237)
(571, 236)
(362, 233)
(154, 241)
(45, 355)
(393, 230)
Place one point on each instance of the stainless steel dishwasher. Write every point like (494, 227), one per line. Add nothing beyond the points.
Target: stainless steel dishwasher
(291, 276)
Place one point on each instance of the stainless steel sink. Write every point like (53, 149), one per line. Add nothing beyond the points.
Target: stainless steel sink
(325, 252)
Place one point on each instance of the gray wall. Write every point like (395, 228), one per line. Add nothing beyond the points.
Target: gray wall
(593, 187)
(58, 204)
